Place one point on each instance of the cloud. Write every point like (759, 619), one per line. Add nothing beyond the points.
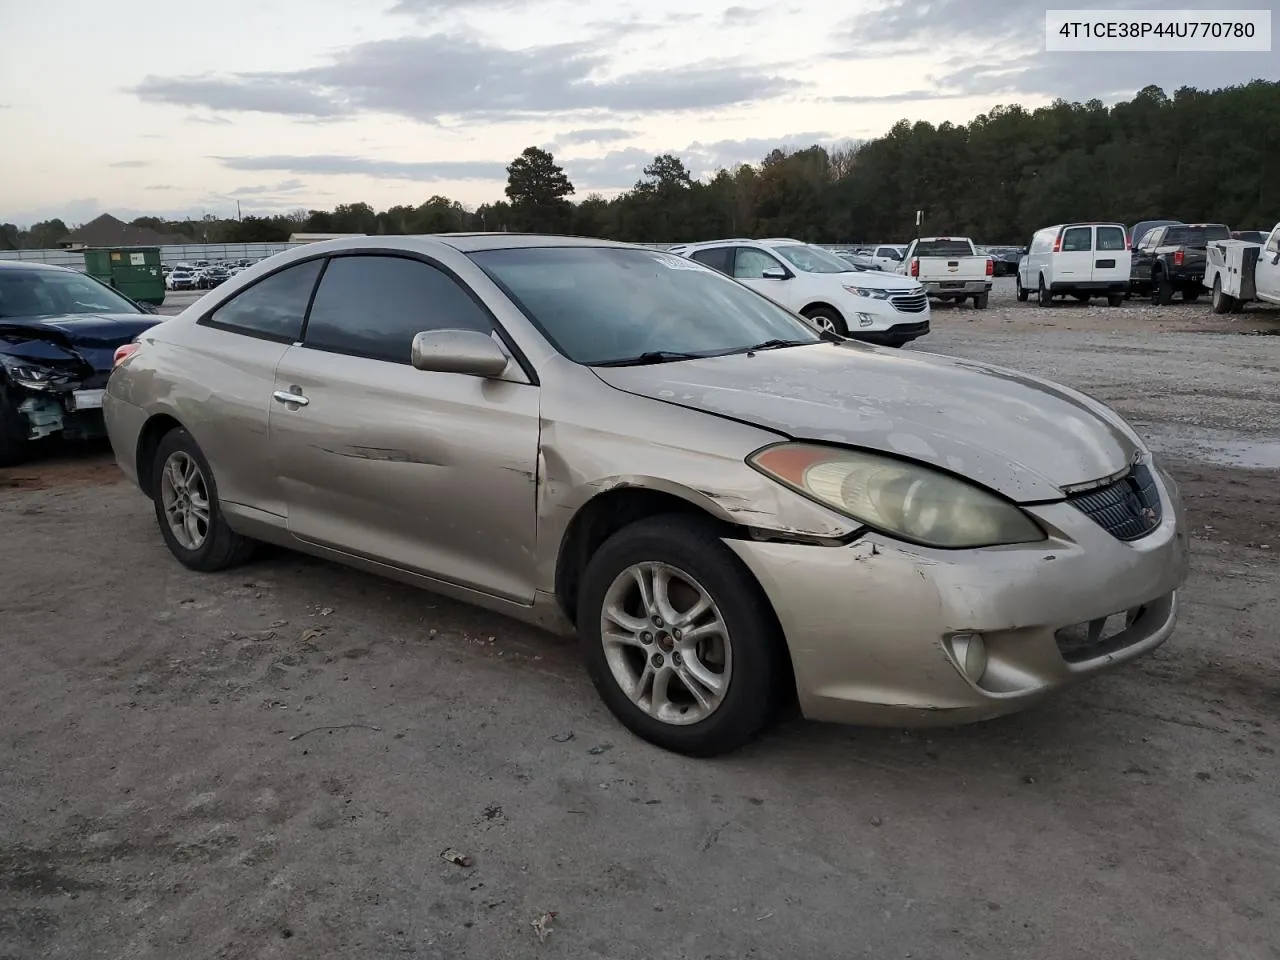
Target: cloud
(130, 164)
(741, 16)
(906, 96)
(620, 169)
(972, 29)
(213, 121)
(160, 186)
(286, 186)
(337, 164)
(438, 76)
(576, 138)
(435, 8)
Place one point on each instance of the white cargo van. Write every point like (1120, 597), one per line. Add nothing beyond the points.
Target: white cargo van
(1081, 260)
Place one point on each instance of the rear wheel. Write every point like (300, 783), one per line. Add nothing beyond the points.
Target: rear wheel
(187, 508)
(1220, 302)
(827, 318)
(1043, 296)
(980, 301)
(1115, 299)
(1161, 290)
(1192, 295)
(679, 639)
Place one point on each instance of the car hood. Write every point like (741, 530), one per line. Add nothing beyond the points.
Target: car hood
(91, 337)
(1022, 436)
(878, 280)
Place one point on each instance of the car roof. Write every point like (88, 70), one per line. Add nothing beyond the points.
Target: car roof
(473, 242)
(33, 265)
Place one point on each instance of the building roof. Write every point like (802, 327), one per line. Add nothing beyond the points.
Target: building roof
(108, 231)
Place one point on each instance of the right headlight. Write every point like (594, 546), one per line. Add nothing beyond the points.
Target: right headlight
(898, 497)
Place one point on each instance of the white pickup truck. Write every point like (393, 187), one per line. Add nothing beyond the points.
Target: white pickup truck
(1237, 271)
(949, 268)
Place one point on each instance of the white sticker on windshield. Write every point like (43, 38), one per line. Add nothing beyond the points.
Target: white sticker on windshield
(672, 262)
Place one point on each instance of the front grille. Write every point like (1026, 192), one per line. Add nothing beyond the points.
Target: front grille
(910, 302)
(1128, 508)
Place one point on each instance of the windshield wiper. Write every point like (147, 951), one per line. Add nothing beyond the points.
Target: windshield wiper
(774, 345)
(649, 357)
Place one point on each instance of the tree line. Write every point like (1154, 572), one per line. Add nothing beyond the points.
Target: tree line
(1196, 156)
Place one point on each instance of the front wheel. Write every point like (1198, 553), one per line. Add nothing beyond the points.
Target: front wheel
(828, 319)
(14, 442)
(1023, 293)
(679, 639)
(187, 508)
(1115, 299)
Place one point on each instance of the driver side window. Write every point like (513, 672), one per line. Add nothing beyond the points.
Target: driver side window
(750, 264)
(372, 306)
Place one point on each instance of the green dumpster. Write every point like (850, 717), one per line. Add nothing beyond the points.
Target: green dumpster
(134, 271)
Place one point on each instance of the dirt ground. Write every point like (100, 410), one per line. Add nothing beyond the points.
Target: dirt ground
(270, 762)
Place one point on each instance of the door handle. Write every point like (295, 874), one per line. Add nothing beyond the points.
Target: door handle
(284, 396)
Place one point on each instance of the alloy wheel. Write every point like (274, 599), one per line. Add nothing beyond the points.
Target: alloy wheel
(185, 497)
(666, 643)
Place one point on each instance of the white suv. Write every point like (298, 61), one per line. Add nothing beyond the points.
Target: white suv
(832, 293)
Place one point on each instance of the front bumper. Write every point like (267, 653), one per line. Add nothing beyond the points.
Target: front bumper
(895, 335)
(869, 625)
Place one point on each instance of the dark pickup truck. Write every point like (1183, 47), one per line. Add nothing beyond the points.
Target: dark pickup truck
(1171, 259)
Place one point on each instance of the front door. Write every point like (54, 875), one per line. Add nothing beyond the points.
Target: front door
(1267, 273)
(750, 266)
(430, 472)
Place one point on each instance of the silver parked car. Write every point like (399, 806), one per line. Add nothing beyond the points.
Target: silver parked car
(734, 511)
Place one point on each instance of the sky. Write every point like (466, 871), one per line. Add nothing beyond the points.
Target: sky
(145, 107)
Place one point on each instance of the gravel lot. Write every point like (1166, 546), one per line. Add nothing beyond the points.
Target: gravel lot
(167, 788)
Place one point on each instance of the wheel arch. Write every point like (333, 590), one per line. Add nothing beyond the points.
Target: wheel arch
(821, 305)
(157, 427)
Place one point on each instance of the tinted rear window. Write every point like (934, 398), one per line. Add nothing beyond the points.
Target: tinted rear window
(1195, 236)
(944, 248)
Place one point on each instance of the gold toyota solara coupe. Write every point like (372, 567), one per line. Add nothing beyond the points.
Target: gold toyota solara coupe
(734, 511)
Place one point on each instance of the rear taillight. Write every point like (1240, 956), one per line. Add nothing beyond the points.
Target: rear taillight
(1057, 243)
(915, 266)
(123, 353)
(1177, 258)
(991, 267)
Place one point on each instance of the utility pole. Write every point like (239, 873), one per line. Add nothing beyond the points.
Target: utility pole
(239, 218)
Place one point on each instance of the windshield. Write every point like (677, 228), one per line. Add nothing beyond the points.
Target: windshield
(604, 305)
(810, 259)
(43, 293)
(944, 248)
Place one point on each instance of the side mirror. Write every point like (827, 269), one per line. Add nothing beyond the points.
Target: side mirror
(458, 351)
(774, 273)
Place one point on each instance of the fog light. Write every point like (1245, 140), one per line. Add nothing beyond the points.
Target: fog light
(866, 320)
(970, 655)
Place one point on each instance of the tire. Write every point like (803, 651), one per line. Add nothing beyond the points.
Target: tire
(1115, 299)
(754, 657)
(211, 545)
(15, 444)
(1191, 296)
(980, 301)
(828, 318)
(1220, 302)
(1022, 291)
(1043, 297)
(1161, 290)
